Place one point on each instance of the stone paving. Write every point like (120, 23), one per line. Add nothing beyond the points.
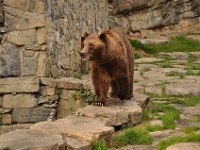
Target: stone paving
(93, 123)
(151, 77)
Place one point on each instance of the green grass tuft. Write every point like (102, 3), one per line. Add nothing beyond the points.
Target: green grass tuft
(193, 73)
(190, 129)
(170, 117)
(133, 136)
(170, 141)
(100, 145)
(165, 64)
(176, 73)
(192, 66)
(137, 55)
(175, 44)
(153, 128)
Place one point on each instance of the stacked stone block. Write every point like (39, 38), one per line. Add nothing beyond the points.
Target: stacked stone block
(39, 43)
(155, 18)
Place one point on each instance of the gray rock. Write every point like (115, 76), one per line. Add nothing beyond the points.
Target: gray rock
(30, 115)
(161, 135)
(28, 139)
(154, 90)
(6, 119)
(26, 37)
(48, 81)
(138, 147)
(196, 54)
(154, 41)
(9, 60)
(19, 100)
(116, 113)
(156, 122)
(19, 85)
(76, 144)
(68, 107)
(184, 146)
(175, 55)
(7, 128)
(69, 83)
(183, 88)
(148, 60)
(83, 128)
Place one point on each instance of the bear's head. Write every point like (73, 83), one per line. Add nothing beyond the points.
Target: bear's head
(93, 45)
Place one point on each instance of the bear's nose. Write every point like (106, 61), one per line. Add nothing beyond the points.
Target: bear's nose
(81, 53)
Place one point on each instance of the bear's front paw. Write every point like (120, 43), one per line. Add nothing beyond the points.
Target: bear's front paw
(99, 103)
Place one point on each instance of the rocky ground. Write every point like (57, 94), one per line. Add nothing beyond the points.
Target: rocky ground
(171, 80)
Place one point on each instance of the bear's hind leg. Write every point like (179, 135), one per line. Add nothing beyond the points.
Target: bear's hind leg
(114, 89)
(124, 88)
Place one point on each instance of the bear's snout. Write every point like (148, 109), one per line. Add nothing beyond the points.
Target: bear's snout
(81, 53)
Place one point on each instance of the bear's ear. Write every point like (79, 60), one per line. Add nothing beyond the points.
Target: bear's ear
(86, 34)
(102, 36)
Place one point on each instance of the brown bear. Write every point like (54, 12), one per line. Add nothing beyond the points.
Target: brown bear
(112, 64)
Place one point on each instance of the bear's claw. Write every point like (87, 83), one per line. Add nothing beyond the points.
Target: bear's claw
(99, 104)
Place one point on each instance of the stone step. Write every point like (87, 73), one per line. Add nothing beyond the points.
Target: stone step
(29, 139)
(117, 113)
(83, 128)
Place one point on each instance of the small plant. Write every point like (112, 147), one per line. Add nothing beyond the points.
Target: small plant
(188, 100)
(192, 66)
(100, 145)
(193, 73)
(165, 64)
(86, 95)
(177, 139)
(168, 118)
(190, 129)
(175, 73)
(145, 114)
(136, 81)
(133, 136)
(153, 128)
(58, 92)
(137, 55)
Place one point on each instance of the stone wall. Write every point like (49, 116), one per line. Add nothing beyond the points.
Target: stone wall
(149, 18)
(39, 44)
(66, 22)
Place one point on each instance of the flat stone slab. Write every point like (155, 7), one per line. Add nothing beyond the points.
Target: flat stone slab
(194, 110)
(175, 55)
(75, 144)
(183, 88)
(153, 41)
(157, 136)
(148, 60)
(116, 114)
(7, 128)
(19, 85)
(184, 146)
(138, 147)
(30, 140)
(83, 128)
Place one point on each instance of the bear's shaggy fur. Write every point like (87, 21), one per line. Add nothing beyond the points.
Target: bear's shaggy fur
(112, 64)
